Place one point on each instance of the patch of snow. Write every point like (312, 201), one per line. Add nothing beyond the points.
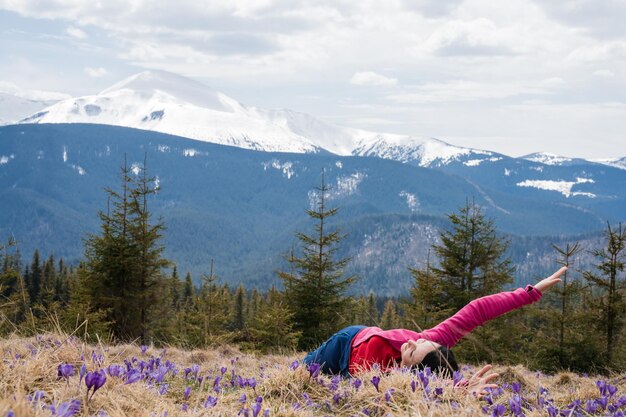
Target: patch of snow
(476, 162)
(163, 148)
(507, 172)
(157, 182)
(339, 164)
(135, 168)
(411, 201)
(285, 167)
(64, 153)
(40, 155)
(6, 159)
(563, 187)
(344, 186)
(192, 152)
(547, 158)
(79, 169)
(537, 168)
(347, 185)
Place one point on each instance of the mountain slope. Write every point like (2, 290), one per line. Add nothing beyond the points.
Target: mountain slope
(242, 207)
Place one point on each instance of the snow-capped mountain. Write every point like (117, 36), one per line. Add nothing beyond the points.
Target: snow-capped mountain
(553, 159)
(17, 103)
(169, 103)
(615, 163)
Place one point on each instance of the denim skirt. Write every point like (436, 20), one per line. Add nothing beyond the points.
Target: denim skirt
(334, 354)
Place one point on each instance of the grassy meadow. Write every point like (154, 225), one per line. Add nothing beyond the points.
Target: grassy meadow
(55, 375)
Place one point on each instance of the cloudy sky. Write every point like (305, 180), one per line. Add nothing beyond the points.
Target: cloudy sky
(514, 76)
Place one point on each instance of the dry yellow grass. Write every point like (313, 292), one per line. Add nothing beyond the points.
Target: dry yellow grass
(30, 364)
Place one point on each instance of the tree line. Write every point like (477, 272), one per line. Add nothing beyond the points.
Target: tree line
(125, 290)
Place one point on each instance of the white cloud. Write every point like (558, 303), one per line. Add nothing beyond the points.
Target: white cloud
(95, 72)
(371, 78)
(604, 73)
(76, 32)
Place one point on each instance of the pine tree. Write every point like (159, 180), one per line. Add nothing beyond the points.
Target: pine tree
(188, 290)
(239, 309)
(612, 287)
(427, 307)
(34, 278)
(316, 285)
(14, 298)
(471, 265)
(390, 318)
(124, 261)
(272, 328)
(471, 258)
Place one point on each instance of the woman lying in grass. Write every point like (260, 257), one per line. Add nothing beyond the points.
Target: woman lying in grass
(357, 348)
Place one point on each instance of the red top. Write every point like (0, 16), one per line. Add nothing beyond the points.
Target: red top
(374, 345)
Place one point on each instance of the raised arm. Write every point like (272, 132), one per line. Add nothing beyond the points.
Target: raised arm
(476, 313)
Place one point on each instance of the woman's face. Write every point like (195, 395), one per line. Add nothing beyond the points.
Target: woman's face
(414, 351)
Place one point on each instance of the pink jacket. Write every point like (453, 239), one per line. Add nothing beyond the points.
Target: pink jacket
(449, 332)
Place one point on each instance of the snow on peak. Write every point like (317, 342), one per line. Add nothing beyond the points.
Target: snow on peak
(615, 163)
(178, 88)
(169, 103)
(425, 151)
(547, 158)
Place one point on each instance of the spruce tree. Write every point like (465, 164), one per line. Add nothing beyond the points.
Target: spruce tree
(124, 261)
(390, 318)
(471, 258)
(611, 287)
(315, 286)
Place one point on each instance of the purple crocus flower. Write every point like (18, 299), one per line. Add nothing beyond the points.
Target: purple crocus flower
(591, 407)
(95, 380)
(10, 413)
(498, 410)
(186, 393)
(144, 349)
(65, 370)
(66, 409)
(251, 382)
(195, 369)
(223, 370)
(389, 394)
(132, 376)
(36, 397)
(357, 383)
(115, 370)
(256, 409)
(163, 389)
(243, 399)
(210, 402)
(314, 369)
(413, 385)
(294, 365)
(216, 383)
(82, 372)
(376, 381)
(457, 377)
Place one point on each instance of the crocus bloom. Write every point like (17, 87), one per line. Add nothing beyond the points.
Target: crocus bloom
(95, 380)
(65, 370)
(376, 381)
(314, 369)
(66, 409)
(186, 393)
(294, 365)
(210, 402)
(357, 383)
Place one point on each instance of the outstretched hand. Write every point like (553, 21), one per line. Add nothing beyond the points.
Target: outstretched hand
(480, 381)
(547, 283)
